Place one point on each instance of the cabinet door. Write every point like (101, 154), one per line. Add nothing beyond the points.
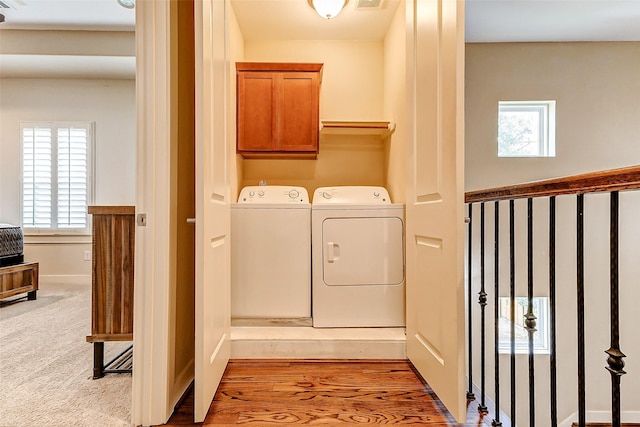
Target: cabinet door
(297, 114)
(256, 111)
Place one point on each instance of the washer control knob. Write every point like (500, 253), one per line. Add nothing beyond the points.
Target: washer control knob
(252, 193)
(327, 194)
(293, 194)
(376, 194)
(261, 193)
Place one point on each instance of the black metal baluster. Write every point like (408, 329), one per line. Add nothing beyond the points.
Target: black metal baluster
(615, 362)
(512, 307)
(552, 309)
(530, 318)
(496, 311)
(482, 300)
(580, 303)
(470, 395)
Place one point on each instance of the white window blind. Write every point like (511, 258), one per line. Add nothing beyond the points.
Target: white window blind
(36, 177)
(56, 176)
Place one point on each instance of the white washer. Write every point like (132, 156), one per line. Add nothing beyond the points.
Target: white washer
(357, 258)
(271, 253)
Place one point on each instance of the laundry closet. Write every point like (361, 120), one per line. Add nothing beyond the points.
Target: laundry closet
(411, 76)
(362, 102)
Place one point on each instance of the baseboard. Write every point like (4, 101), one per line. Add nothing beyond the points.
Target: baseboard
(314, 343)
(253, 321)
(603, 418)
(80, 279)
(606, 424)
(472, 406)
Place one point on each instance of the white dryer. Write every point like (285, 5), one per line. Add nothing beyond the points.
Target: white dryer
(271, 253)
(357, 258)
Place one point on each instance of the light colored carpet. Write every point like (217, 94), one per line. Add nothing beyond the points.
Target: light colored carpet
(46, 365)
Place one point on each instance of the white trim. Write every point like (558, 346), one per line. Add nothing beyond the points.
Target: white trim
(546, 111)
(150, 394)
(55, 239)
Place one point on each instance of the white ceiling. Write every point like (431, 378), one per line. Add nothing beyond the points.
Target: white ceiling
(487, 20)
(552, 20)
(67, 14)
(296, 20)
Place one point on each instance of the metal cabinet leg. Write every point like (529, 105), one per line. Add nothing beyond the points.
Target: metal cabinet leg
(98, 360)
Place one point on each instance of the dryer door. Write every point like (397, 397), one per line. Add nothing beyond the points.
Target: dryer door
(363, 251)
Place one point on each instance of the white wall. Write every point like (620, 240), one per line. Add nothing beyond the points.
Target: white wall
(597, 92)
(352, 77)
(597, 89)
(236, 54)
(352, 89)
(68, 76)
(108, 103)
(395, 100)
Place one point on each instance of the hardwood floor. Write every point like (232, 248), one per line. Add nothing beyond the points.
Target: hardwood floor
(323, 393)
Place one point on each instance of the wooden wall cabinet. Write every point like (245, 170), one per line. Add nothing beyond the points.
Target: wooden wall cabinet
(278, 109)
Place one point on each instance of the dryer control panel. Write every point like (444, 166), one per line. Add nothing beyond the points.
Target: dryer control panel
(357, 195)
(274, 194)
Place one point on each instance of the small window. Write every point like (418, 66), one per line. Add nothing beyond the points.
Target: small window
(540, 336)
(56, 176)
(526, 129)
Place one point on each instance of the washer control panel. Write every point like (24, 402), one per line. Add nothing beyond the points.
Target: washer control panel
(357, 195)
(273, 194)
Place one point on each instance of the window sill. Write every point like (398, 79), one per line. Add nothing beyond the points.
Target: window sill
(56, 239)
(523, 351)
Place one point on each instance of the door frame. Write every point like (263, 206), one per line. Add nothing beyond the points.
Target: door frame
(151, 331)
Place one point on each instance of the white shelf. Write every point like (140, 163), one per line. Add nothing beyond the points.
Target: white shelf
(336, 127)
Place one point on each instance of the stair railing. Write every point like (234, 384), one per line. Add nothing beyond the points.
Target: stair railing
(612, 182)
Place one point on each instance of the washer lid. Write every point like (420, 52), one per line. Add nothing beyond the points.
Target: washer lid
(360, 194)
(273, 194)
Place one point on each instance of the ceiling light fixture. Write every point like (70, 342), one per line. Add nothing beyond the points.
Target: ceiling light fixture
(129, 4)
(328, 8)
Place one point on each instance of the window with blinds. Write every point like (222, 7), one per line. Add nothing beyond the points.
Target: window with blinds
(56, 176)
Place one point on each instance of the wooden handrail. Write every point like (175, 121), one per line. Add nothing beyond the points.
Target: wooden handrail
(603, 181)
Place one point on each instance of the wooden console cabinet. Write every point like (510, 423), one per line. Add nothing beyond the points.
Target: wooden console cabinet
(19, 278)
(113, 248)
(278, 109)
